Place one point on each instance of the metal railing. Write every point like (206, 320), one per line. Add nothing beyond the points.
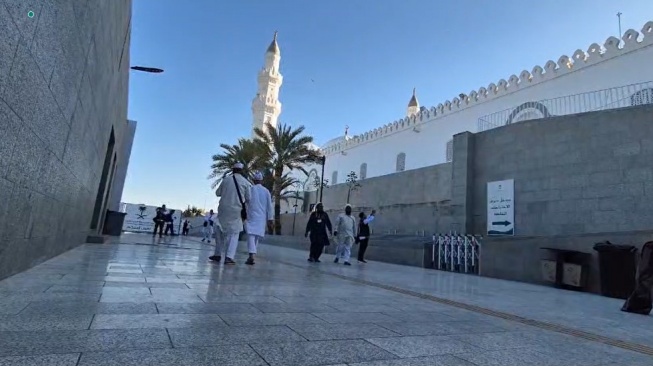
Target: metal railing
(457, 253)
(612, 98)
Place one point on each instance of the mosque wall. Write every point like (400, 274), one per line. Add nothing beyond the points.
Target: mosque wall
(579, 179)
(421, 140)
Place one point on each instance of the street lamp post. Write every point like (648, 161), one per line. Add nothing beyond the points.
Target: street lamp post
(323, 161)
(294, 216)
(153, 70)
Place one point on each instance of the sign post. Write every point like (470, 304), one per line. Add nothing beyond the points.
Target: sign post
(501, 208)
(140, 218)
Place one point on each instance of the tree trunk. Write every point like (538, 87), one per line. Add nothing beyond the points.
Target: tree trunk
(278, 173)
(348, 195)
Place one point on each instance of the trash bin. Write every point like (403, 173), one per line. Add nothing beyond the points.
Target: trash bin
(640, 301)
(617, 269)
(113, 223)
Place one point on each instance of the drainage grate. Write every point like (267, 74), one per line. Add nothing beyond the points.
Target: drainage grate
(498, 314)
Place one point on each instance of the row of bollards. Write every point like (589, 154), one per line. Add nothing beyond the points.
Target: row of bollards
(456, 253)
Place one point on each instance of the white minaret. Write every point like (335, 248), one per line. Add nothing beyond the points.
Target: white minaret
(266, 106)
(413, 105)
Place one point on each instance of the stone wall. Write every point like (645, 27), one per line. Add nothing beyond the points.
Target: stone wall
(63, 94)
(407, 202)
(586, 173)
(579, 179)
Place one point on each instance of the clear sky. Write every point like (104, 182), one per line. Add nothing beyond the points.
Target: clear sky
(345, 62)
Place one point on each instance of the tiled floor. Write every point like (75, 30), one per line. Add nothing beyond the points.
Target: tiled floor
(148, 302)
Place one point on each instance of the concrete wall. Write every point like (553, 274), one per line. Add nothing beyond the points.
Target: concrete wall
(63, 88)
(579, 180)
(408, 251)
(415, 200)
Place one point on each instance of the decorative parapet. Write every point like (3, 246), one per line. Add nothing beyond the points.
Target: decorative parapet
(632, 40)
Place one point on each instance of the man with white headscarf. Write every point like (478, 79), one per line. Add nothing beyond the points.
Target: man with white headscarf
(260, 213)
(345, 232)
(234, 193)
(207, 229)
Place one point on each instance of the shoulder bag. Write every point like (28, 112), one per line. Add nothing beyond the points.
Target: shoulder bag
(243, 210)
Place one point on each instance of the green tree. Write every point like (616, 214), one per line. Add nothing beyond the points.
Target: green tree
(317, 182)
(247, 152)
(193, 212)
(287, 150)
(352, 184)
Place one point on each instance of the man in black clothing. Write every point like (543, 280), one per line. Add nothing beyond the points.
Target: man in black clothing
(159, 220)
(363, 236)
(319, 228)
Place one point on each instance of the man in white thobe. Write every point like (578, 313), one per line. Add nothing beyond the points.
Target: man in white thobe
(234, 193)
(259, 213)
(345, 231)
(207, 230)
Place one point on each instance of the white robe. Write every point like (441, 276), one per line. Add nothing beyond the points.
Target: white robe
(346, 226)
(259, 210)
(229, 207)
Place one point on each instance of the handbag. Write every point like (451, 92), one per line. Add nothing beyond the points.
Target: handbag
(243, 210)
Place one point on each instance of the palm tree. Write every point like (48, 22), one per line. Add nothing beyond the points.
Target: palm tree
(193, 212)
(287, 149)
(247, 152)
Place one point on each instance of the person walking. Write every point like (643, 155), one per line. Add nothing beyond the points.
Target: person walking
(207, 230)
(159, 220)
(345, 232)
(170, 221)
(260, 213)
(319, 229)
(234, 192)
(184, 229)
(363, 236)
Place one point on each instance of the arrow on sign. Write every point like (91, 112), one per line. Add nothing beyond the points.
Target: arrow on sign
(504, 223)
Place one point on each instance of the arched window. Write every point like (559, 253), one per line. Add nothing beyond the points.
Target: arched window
(334, 178)
(528, 111)
(644, 96)
(401, 162)
(363, 173)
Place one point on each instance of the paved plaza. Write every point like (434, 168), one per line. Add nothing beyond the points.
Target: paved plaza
(139, 301)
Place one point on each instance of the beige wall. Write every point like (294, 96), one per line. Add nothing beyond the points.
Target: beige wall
(415, 200)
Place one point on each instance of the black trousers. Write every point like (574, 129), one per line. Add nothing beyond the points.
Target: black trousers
(171, 228)
(158, 225)
(362, 248)
(317, 247)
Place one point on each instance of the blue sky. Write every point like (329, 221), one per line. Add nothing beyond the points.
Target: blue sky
(364, 56)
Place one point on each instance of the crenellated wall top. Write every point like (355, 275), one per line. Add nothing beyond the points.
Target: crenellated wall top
(632, 40)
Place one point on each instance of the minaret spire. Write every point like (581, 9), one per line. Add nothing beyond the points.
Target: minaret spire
(266, 106)
(413, 105)
(274, 46)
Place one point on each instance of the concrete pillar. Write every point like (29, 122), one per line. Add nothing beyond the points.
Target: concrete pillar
(462, 183)
(124, 153)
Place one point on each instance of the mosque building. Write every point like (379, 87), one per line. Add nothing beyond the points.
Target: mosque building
(617, 73)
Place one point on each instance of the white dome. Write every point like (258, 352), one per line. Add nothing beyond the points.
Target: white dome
(337, 140)
(312, 146)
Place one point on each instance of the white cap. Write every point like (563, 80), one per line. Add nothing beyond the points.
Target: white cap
(258, 176)
(238, 166)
